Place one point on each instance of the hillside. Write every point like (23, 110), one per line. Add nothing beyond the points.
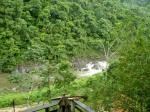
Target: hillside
(35, 31)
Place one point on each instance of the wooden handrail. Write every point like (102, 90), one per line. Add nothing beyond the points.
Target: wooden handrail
(82, 106)
(41, 107)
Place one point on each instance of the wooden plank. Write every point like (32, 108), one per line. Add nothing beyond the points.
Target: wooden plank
(40, 107)
(84, 107)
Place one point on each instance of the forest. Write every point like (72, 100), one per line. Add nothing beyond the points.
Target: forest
(41, 40)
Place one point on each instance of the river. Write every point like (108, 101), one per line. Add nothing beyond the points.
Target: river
(92, 68)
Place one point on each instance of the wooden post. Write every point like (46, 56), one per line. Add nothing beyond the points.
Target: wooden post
(13, 104)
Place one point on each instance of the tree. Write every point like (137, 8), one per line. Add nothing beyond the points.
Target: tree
(132, 72)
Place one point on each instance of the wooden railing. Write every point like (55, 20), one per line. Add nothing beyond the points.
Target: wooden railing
(82, 107)
(55, 105)
(45, 107)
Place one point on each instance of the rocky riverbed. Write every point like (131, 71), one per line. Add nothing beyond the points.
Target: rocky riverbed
(92, 68)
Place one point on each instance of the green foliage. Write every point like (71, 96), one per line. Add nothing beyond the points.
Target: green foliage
(132, 74)
(15, 78)
(37, 30)
(37, 96)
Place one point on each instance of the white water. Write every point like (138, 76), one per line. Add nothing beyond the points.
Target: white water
(93, 68)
